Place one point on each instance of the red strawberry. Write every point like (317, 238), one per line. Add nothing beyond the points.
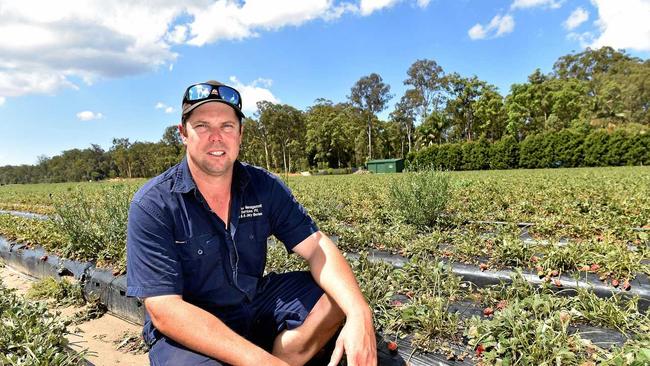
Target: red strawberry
(502, 304)
(554, 273)
(43, 258)
(534, 259)
(392, 346)
(396, 303)
(585, 268)
(410, 294)
(479, 350)
(615, 282)
(595, 267)
(483, 266)
(488, 311)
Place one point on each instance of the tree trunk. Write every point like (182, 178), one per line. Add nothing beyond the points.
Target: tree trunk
(284, 157)
(369, 138)
(266, 155)
(409, 135)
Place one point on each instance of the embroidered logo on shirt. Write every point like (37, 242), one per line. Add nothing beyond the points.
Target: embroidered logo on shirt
(250, 211)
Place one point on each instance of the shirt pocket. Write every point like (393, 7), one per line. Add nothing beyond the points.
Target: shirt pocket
(202, 263)
(252, 237)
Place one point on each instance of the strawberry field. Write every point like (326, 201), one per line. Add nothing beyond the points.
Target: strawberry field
(524, 267)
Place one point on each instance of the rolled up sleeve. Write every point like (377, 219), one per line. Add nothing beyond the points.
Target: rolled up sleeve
(290, 222)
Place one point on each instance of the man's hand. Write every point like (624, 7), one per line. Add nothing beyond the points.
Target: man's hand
(357, 339)
(334, 275)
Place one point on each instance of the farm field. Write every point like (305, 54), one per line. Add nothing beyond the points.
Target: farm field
(553, 223)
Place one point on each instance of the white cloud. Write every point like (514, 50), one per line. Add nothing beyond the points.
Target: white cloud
(227, 20)
(167, 109)
(47, 46)
(2, 101)
(499, 26)
(252, 93)
(623, 24)
(367, 7)
(524, 4)
(89, 116)
(577, 17)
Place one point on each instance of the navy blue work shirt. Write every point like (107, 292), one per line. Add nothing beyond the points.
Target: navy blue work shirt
(177, 245)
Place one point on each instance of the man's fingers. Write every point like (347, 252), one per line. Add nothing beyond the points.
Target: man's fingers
(336, 355)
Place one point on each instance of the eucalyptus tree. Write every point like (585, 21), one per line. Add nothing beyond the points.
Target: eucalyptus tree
(427, 81)
(371, 95)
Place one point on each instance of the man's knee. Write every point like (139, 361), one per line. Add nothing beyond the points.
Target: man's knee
(332, 313)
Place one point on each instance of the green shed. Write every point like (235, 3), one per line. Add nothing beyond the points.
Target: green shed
(386, 166)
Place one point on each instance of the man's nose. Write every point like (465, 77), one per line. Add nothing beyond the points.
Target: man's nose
(215, 135)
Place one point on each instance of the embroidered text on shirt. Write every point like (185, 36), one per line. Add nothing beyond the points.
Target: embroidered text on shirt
(250, 211)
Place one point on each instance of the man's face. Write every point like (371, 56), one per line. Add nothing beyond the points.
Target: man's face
(212, 136)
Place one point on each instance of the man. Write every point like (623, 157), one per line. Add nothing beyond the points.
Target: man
(196, 252)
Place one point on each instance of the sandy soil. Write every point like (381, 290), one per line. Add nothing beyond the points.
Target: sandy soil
(100, 336)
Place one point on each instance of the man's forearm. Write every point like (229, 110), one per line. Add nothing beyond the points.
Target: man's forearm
(333, 273)
(201, 331)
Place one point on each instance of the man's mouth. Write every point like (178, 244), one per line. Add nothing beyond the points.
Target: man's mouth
(217, 153)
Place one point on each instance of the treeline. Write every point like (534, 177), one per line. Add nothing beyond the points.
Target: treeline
(567, 148)
(124, 159)
(594, 90)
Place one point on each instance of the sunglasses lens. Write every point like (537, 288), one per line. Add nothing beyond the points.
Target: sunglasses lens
(198, 92)
(230, 95)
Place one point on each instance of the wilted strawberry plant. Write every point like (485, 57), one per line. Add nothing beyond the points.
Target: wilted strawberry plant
(31, 335)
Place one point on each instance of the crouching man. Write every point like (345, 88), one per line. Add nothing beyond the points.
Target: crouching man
(196, 252)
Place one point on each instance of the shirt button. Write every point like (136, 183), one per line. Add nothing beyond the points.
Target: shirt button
(251, 237)
(200, 252)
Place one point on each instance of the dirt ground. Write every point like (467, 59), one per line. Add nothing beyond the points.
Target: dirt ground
(100, 336)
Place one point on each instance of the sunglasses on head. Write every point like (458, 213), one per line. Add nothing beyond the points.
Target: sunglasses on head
(202, 91)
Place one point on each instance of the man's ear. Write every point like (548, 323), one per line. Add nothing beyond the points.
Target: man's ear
(182, 131)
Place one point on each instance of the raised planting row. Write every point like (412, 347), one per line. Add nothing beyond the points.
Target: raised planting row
(425, 303)
(431, 314)
(496, 246)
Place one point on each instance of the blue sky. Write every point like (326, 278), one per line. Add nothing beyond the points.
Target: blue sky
(82, 72)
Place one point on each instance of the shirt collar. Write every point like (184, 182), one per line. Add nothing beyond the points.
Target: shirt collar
(184, 183)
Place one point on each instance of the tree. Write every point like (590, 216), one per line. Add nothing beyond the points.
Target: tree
(331, 129)
(432, 131)
(122, 157)
(462, 105)
(490, 113)
(283, 126)
(370, 94)
(404, 116)
(428, 85)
